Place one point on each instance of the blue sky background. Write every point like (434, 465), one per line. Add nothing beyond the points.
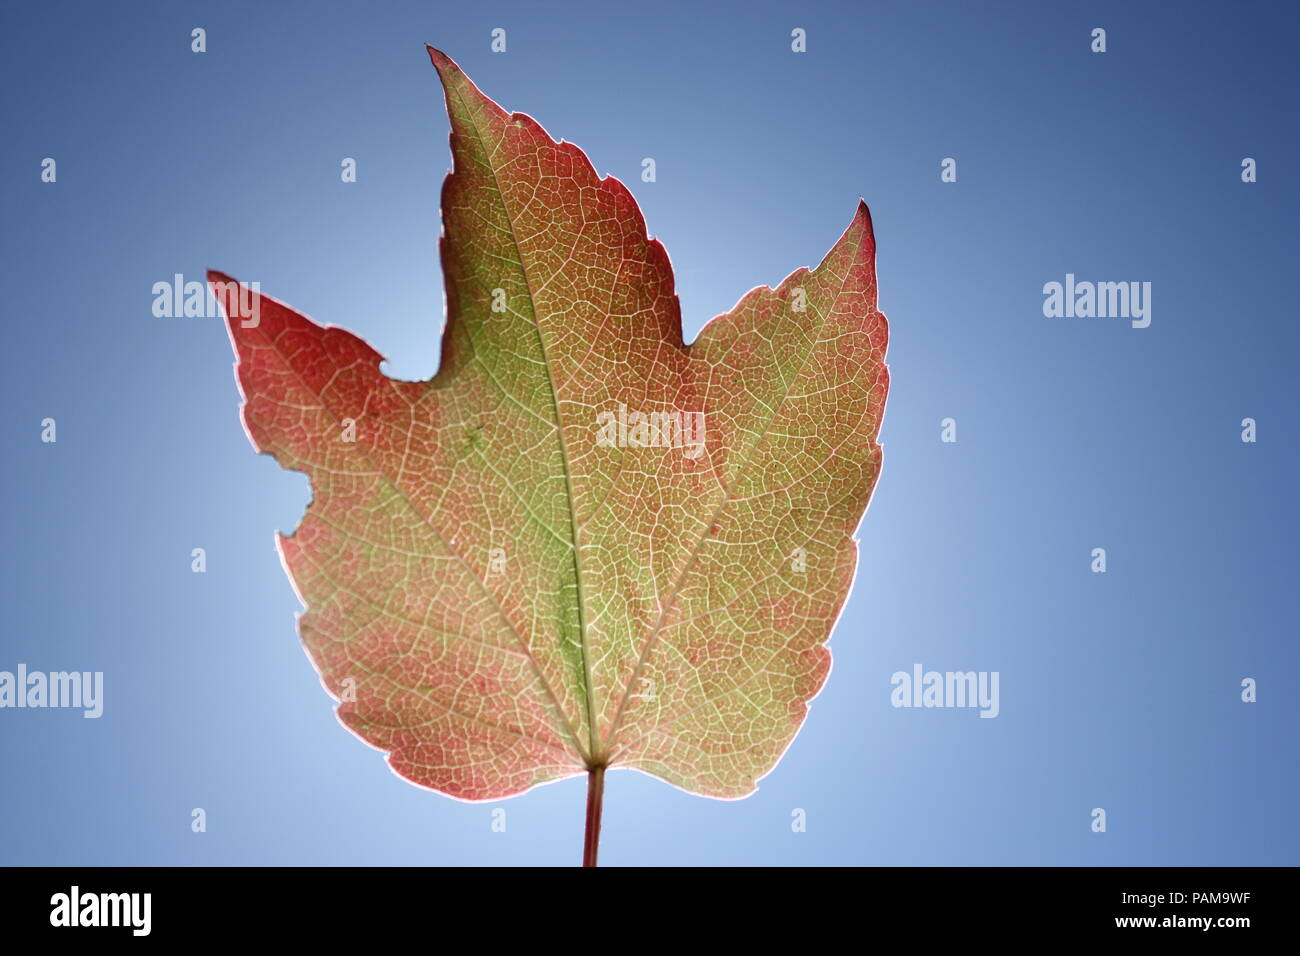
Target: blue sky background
(1119, 690)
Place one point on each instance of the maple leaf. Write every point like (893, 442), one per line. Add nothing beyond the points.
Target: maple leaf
(583, 544)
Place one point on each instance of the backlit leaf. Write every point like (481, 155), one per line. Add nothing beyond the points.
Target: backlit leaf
(583, 543)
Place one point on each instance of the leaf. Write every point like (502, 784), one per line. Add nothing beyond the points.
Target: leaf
(508, 578)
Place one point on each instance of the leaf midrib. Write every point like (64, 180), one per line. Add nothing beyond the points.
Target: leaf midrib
(593, 758)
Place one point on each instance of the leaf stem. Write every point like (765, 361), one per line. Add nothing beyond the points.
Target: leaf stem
(595, 800)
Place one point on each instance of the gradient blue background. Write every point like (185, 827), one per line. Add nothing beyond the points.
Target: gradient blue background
(1118, 690)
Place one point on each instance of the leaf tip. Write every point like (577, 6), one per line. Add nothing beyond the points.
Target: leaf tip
(220, 286)
(237, 300)
(440, 60)
(862, 217)
(862, 232)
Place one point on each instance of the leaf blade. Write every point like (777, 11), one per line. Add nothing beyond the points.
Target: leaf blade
(622, 560)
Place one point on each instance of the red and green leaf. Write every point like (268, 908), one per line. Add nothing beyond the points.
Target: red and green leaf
(500, 599)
